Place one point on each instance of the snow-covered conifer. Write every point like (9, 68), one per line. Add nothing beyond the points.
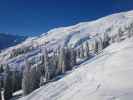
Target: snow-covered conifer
(96, 47)
(106, 40)
(100, 44)
(82, 51)
(26, 78)
(119, 35)
(34, 78)
(62, 61)
(87, 50)
(8, 84)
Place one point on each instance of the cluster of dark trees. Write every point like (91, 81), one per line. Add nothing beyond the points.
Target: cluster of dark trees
(1, 81)
(10, 81)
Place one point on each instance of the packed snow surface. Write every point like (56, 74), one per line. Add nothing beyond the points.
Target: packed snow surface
(107, 76)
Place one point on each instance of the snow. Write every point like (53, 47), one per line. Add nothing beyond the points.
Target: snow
(75, 34)
(107, 76)
(18, 93)
(86, 29)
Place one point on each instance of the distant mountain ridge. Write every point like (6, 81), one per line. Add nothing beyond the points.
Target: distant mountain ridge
(8, 40)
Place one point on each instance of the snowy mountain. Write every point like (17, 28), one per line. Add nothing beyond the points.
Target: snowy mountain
(7, 40)
(107, 76)
(77, 34)
(99, 53)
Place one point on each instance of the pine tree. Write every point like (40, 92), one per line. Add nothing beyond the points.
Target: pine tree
(53, 66)
(87, 51)
(0, 96)
(34, 78)
(16, 80)
(77, 53)
(119, 35)
(49, 66)
(73, 57)
(8, 84)
(46, 65)
(42, 65)
(82, 51)
(31, 78)
(26, 81)
(1, 68)
(62, 61)
(96, 47)
(55, 63)
(100, 44)
(106, 40)
(130, 30)
(2, 71)
(0, 89)
(69, 59)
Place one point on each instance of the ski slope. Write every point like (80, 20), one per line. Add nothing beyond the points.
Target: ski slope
(107, 76)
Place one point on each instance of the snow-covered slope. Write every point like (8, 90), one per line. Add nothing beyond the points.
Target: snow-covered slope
(74, 35)
(71, 35)
(108, 76)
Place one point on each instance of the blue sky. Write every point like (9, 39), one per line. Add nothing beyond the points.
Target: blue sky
(33, 17)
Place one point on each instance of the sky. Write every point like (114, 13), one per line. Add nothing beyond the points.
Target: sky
(34, 17)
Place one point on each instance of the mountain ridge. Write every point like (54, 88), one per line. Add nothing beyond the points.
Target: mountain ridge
(70, 36)
(8, 40)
